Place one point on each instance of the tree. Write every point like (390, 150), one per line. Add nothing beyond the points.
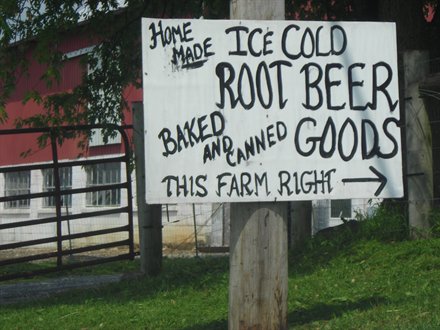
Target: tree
(35, 28)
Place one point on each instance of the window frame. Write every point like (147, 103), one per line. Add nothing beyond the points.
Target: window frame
(103, 174)
(12, 178)
(340, 212)
(49, 202)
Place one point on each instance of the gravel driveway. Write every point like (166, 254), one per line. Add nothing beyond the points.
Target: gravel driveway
(25, 291)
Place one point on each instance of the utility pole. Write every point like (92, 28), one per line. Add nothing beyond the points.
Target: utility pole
(258, 237)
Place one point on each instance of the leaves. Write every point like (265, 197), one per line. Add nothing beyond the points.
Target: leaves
(37, 30)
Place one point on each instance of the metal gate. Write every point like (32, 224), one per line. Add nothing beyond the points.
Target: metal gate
(56, 256)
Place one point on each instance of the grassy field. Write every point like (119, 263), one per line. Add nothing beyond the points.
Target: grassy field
(362, 281)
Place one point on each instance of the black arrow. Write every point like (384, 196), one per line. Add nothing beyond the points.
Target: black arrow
(380, 178)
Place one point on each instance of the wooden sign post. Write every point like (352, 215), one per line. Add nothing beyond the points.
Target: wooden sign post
(258, 268)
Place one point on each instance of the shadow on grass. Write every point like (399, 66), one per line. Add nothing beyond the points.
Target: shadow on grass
(320, 312)
(177, 274)
(215, 325)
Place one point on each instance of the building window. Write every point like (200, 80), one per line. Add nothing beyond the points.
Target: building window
(102, 174)
(340, 208)
(97, 138)
(18, 183)
(65, 183)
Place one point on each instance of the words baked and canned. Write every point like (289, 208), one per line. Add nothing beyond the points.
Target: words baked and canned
(270, 110)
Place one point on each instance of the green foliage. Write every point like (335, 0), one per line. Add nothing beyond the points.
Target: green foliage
(434, 220)
(388, 222)
(35, 29)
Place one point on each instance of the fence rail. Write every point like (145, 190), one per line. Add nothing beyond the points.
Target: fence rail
(59, 219)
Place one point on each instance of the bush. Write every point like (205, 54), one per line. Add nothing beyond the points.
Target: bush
(388, 222)
(434, 221)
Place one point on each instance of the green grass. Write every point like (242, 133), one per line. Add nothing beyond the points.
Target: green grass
(27, 268)
(368, 285)
(371, 285)
(189, 292)
(358, 282)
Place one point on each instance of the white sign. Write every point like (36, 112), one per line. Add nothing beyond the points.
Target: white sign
(270, 110)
